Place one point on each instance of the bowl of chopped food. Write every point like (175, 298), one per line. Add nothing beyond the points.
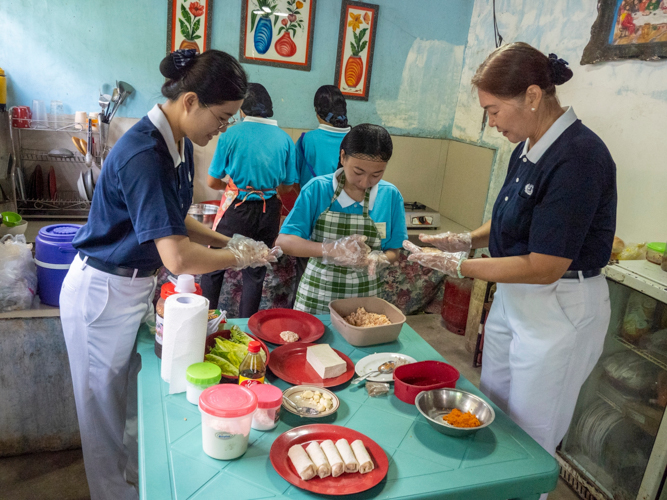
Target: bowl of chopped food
(309, 401)
(454, 412)
(365, 321)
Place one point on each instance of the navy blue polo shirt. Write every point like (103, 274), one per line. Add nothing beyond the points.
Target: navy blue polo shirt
(563, 205)
(140, 196)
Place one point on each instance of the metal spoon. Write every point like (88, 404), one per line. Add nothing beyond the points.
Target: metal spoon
(301, 409)
(383, 369)
(104, 102)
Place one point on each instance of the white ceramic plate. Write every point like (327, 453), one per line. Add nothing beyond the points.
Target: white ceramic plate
(294, 394)
(371, 363)
(81, 188)
(88, 184)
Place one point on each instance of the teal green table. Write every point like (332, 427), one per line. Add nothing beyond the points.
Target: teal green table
(497, 463)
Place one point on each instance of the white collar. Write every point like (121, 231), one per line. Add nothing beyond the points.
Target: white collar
(158, 118)
(554, 132)
(259, 119)
(345, 200)
(337, 130)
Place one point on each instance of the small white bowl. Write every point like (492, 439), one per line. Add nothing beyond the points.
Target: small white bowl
(20, 229)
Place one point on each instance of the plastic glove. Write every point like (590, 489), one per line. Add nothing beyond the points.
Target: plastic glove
(251, 253)
(375, 261)
(449, 242)
(349, 251)
(444, 262)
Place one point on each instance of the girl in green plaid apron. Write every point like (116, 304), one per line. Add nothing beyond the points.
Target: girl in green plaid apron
(321, 283)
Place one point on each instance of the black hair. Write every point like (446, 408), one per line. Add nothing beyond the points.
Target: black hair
(330, 105)
(258, 102)
(367, 142)
(215, 76)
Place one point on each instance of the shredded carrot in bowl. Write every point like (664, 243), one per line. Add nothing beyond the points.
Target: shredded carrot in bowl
(459, 419)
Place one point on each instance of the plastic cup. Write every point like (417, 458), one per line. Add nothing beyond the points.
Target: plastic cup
(57, 112)
(39, 114)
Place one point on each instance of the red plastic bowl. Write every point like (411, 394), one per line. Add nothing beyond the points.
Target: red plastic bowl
(226, 334)
(410, 380)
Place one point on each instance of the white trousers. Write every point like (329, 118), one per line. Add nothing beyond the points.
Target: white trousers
(101, 314)
(541, 342)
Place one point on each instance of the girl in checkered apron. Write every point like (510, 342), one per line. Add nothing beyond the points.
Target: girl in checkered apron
(350, 223)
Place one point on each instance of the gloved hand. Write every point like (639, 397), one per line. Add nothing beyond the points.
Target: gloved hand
(449, 242)
(349, 251)
(251, 253)
(444, 262)
(375, 261)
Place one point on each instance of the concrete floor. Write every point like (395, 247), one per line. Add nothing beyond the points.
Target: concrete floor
(61, 475)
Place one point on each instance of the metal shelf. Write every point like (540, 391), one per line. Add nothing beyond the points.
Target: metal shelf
(643, 353)
(67, 203)
(38, 155)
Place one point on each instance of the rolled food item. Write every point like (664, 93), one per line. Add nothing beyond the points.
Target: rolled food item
(346, 453)
(302, 463)
(364, 459)
(335, 461)
(319, 459)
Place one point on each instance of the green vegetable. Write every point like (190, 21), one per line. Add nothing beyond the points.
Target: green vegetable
(225, 366)
(228, 354)
(240, 337)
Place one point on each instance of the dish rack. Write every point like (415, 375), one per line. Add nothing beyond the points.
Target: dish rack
(27, 144)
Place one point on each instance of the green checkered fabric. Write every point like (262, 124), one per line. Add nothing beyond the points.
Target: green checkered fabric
(322, 283)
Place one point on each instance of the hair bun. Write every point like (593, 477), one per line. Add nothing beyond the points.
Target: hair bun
(560, 73)
(174, 65)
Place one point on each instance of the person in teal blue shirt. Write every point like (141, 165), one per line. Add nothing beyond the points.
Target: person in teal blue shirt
(259, 158)
(349, 223)
(317, 150)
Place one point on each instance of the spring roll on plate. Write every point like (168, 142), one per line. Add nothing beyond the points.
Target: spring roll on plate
(364, 459)
(319, 459)
(302, 463)
(346, 453)
(335, 461)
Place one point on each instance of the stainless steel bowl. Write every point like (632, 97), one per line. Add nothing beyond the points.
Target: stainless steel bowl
(436, 403)
(203, 213)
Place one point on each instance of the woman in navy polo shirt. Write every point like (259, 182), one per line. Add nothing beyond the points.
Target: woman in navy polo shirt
(550, 234)
(138, 221)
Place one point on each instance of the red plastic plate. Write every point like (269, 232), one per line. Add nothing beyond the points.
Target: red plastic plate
(345, 484)
(288, 362)
(270, 323)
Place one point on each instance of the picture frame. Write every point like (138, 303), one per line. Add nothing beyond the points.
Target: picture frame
(628, 29)
(185, 29)
(277, 33)
(354, 61)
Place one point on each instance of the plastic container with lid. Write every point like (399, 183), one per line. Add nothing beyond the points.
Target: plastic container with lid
(201, 376)
(185, 284)
(269, 402)
(226, 418)
(54, 254)
(655, 251)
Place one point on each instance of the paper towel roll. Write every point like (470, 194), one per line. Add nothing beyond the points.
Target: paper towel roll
(183, 338)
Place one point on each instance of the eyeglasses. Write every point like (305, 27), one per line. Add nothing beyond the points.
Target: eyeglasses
(223, 123)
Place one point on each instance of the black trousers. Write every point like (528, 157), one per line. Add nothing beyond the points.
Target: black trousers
(300, 268)
(247, 220)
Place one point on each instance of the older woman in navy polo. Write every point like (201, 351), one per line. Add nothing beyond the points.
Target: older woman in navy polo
(550, 234)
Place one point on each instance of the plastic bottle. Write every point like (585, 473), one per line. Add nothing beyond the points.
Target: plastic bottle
(252, 369)
(3, 91)
(185, 284)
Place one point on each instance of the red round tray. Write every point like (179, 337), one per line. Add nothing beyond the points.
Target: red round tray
(288, 362)
(269, 323)
(345, 484)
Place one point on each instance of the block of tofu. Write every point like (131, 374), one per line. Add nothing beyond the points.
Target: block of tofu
(325, 361)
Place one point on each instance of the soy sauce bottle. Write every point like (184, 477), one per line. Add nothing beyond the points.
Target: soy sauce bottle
(252, 369)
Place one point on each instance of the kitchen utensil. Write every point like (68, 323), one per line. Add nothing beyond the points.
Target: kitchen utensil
(89, 145)
(347, 484)
(104, 101)
(225, 334)
(80, 144)
(410, 380)
(294, 396)
(371, 362)
(81, 188)
(57, 112)
(39, 183)
(369, 335)
(117, 104)
(384, 369)
(433, 405)
(11, 219)
(20, 183)
(301, 410)
(203, 213)
(39, 114)
(288, 362)
(52, 183)
(268, 324)
(125, 87)
(80, 120)
(61, 153)
(88, 184)
(95, 117)
(21, 116)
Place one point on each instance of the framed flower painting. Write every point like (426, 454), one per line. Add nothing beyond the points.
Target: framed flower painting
(356, 45)
(189, 25)
(277, 33)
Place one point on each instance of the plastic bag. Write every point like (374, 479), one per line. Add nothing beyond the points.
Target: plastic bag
(18, 275)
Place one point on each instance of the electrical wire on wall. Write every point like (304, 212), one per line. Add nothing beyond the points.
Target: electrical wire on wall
(498, 39)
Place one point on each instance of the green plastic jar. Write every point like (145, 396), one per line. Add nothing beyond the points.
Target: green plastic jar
(655, 251)
(201, 376)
